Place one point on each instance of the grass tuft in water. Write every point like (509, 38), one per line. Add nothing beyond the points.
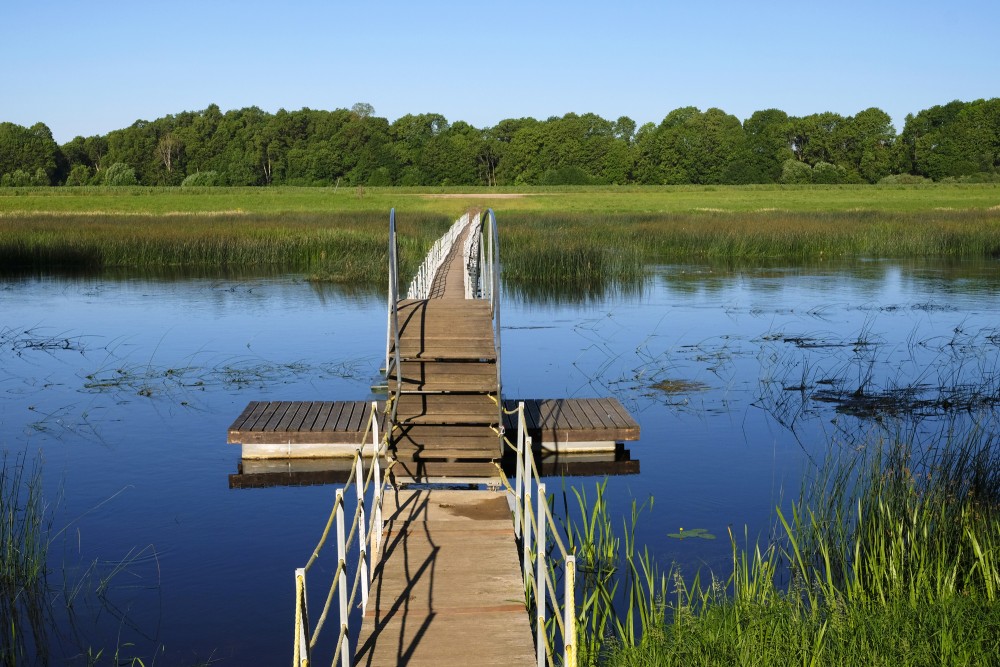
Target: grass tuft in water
(890, 555)
(24, 529)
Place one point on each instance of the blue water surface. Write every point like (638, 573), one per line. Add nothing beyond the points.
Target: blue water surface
(125, 389)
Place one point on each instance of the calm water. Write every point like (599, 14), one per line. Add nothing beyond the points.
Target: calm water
(126, 389)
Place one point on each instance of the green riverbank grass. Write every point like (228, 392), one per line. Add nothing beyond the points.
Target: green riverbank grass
(562, 250)
(454, 201)
(350, 248)
(890, 557)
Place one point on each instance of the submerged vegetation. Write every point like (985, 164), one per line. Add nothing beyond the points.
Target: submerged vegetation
(890, 555)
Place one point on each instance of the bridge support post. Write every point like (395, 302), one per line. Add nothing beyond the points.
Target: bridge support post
(540, 577)
(302, 653)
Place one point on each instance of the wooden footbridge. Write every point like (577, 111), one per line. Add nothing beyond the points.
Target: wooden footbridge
(445, 571)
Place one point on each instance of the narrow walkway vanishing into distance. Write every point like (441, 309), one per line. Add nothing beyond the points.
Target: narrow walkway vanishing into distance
(442, 519)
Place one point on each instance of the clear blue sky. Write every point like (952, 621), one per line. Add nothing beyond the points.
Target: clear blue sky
(88, 67)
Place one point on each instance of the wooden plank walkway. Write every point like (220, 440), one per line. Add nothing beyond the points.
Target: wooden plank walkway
(447, 421)
(549, 422)
(447, 589)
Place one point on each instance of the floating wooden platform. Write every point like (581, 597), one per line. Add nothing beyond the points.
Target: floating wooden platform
(575, 424)
(447, 589)
(321, 429)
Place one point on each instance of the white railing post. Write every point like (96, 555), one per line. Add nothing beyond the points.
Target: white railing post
(301, 653)
(345, 657)
(569, 613)
(359, 481)
(377, 493)
(540, 578)
(526, 532)
(519, 476)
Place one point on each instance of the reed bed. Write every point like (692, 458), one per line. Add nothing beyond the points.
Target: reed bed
(349, 248)
(24, 530)
(602, 253)
(889, 556)
(566, 253)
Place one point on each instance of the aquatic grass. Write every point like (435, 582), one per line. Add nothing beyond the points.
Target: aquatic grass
(567, 253)
(890, 554)
(347, 248)
(24, 529)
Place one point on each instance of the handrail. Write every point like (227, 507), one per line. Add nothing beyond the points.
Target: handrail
(392, 333)
(420, 286)
(369, 539)
(471, 259)
(533, 528)
(493, 269)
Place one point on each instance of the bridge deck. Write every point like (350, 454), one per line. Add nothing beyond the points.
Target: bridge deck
(447, 589)
(341, 424)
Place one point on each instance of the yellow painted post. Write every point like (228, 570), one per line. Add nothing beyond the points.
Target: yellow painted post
(540, 579)
(569, 613)
(301, 652)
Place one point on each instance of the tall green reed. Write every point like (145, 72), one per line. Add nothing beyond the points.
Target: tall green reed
(889, 554)
(24, 529)
(348, 248)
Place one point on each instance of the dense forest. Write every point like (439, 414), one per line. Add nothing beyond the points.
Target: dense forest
(959, 140)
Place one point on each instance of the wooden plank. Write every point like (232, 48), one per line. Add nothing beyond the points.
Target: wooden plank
(614, 405)
(279, 411)
(300, 416)
(445, 349)
(449, 571)
(291, 409)
(360, 418)
(247, 411)
(336, 414)
(249, 420)
(568, 411)
(608, 412)
(433, 376)
(344, 419)
(322, 416)
(598, 420)
(263, 416)
(310, 418)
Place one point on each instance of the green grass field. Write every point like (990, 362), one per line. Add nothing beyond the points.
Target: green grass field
(454, 201)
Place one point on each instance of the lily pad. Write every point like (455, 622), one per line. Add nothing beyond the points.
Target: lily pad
(691, 533)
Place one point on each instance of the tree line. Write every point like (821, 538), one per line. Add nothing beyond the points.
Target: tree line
(250, 147)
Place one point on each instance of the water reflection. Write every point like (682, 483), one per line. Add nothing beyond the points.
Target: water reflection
(253, 473)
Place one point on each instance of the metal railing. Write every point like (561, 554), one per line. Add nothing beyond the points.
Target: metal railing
(392, 360)
(420, 286)
(471, 259)
(481, 256)
(369, 536)
(536, 530)
(491, 283)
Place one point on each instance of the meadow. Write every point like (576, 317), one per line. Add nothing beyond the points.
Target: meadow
(454, 201)
(574, 237)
